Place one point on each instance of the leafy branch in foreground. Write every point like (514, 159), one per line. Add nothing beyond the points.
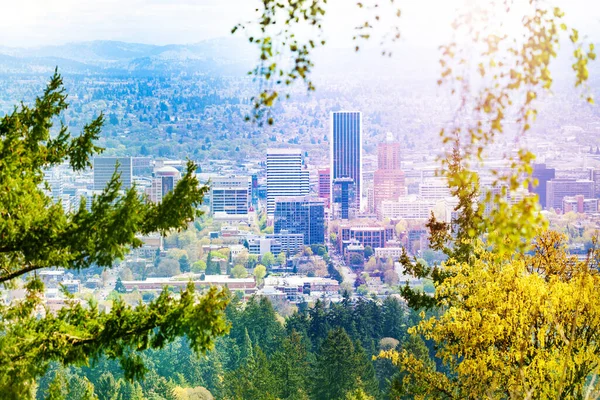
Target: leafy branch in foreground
(37, 234)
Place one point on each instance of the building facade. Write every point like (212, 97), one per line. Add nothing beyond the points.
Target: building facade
(301, 214)
(285, 176)
(558, 189)
(104, 168)
(346, 149)
(325, 185)
(543, 175)
(291, 243)
(580, 204)
(230, 196)
(344, 202)
(388, 179)
(163, 181)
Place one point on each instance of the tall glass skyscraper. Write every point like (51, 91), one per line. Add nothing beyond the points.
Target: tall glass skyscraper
(346, 148)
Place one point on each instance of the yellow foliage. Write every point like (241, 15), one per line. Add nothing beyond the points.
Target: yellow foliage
(522, 326)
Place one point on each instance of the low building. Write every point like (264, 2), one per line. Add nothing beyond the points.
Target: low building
(579, 204)
(291, 243)
(247, 285)
(388, 252)
(296, 286)
(260, 246)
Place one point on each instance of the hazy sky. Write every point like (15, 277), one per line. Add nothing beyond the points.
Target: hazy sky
(43, 22)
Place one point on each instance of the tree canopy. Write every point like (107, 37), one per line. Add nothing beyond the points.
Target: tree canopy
(37, 234)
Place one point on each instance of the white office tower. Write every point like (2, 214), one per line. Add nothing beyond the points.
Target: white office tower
(285, 176)
(104, 168)
(230, 197)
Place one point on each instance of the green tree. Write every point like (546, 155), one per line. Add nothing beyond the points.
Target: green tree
(131, 391)
(253, 380)
(167, 267)
(107, 388)
(37, 234)
(260, 271)
(80, 388)
(290, 365)
(268, 259)
(335, 371)
(119, 286)
(212, 267)
(239, 271)
(281, 259)
(199, 266)
(368, 252)
(184, 263)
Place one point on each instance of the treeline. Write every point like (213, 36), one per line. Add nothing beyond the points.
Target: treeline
(324, 353)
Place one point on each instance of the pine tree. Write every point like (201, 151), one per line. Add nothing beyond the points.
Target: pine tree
(37, 234)
(290, 366)
(184, 264)
(107, 388)
(335, 370)
(119, 286)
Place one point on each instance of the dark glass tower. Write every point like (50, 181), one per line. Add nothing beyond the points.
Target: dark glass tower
(543, 175)
(346, 149)
(301, 214)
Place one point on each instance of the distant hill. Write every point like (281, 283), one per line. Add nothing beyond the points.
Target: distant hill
(222, 56)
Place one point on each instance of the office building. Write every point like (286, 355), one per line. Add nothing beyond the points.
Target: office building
(285, 176)
(346, 149)
(388, 179)
(558, 189)
(365, 233)
(104, 168)
(406, 207)
(291, 243)
(325, 185)
(163, 181)
(344, 202)
(434, 189)
(259, 246)
(580, 204)
(301, 214)
(230, 196)
(543, 175)
(141, 166)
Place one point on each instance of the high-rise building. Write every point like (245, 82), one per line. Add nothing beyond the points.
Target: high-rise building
(230, 195)
(346, 149)
(558, 189)
(301, 214)
(388, 154)
(325, 185)
(344, 202)
(104, 168)
(141, 166)
(543, 175)
(388, 179)
(285, 176)
(163, 182)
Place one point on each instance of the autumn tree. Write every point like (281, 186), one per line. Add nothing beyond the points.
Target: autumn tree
(519, 316)
(38, 234)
